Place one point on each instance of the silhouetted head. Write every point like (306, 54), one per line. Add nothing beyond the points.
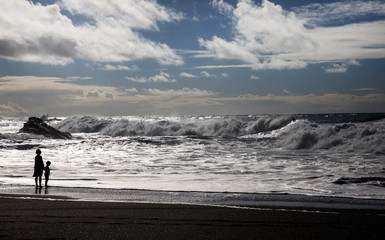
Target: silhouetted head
(48, 163)
(38, 152)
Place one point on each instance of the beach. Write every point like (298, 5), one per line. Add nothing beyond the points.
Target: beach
(28, 216)
(212, 177)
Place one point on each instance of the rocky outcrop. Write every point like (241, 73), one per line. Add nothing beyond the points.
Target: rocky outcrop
(37, 126)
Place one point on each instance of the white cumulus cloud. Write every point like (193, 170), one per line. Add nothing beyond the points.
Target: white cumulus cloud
(222, 6)
(109, 67)
(37, 33)
(187, 75)
(340, 67)
(207, 75)
(339, 12)
(266, 36)
(161, 77)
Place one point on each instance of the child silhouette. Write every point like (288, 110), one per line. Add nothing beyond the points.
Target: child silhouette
(47, 172)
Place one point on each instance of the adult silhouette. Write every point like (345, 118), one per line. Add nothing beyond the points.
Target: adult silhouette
(39, 167)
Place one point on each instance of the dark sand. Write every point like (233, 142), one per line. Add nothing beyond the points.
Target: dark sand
(42, 219)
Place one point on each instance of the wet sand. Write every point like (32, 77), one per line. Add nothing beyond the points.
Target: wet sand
(24, 218)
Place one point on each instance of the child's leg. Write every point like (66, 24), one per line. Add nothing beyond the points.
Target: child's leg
(46, 180)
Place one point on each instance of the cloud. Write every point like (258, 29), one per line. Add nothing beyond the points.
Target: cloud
(266, 36)
(333, 103)
(312, 99)
(109, 67)
(261, 33)
(222, 6)
(35, 33)
(98, 94)
(339, 12)
(224, 66)
(56, 87)
(11, 108)
(364, 89)
(187, 92)
(195, 19)
(161, 77)
(187, 75)
(77, 78)
(207, 75)
(254, 77)
(341, 67)
(134, 14)
(127, 92)
(35, 94)
(62, 96)
(336, 68)
(223, 49)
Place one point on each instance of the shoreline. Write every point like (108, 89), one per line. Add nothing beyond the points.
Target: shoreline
(24, 218)
(224, 199)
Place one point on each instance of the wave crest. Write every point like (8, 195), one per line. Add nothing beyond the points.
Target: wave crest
(351, 137)
(278, 131)
(206, 126)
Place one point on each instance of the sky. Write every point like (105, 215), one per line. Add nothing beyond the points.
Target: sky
(191, 57)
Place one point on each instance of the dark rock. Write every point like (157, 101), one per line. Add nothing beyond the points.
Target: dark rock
(37, 126)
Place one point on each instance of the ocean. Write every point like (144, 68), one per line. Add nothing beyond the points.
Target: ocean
(332, 155)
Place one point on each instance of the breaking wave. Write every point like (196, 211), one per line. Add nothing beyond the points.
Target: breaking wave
(362, 133)
(345, 137)
(188, 126)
